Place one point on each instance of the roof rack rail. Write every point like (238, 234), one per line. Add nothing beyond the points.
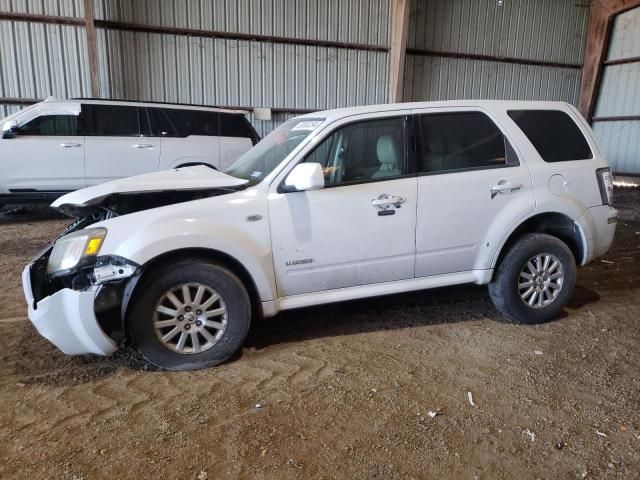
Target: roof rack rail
(223, 107)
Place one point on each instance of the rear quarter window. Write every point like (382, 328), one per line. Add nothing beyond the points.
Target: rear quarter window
(237, 125)
(194, 122)
(553, 133)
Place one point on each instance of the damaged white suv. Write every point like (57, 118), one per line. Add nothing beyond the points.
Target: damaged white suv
(331, 206)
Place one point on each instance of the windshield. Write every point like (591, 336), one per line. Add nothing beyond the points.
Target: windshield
(260, 161)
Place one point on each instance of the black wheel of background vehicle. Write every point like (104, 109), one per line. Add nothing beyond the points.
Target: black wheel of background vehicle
(190, 315)
(535, 279)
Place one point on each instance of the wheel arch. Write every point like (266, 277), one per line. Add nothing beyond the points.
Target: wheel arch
(196, 164)
(189, 161)
(214, 256)
(556, 224)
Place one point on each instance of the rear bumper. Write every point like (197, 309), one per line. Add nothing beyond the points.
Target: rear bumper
(67, 319)
(599, 227)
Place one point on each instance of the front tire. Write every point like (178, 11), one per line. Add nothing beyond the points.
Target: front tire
(190, 315)
(535, 280)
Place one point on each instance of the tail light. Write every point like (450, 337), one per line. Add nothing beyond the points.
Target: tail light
(605, 182)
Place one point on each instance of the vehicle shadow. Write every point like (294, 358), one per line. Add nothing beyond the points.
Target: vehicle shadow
(37, 361)
(392, 312)
(29, 213)
(582, 296)
(456, 304)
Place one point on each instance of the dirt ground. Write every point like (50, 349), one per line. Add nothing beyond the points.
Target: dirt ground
(344, 391)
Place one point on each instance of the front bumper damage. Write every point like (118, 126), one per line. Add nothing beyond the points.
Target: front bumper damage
(67, 319)
(71, 314)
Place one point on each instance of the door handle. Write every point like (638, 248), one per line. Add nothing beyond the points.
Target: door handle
(385, 201)
(504, 188)
(143, 145)
(70, 145)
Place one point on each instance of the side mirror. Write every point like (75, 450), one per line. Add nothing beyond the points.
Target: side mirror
(8, 128)
(304, 176)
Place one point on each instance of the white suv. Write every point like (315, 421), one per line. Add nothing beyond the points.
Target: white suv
(331, 206)
(58, 146)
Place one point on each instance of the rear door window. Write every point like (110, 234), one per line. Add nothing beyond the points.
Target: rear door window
(51, 125)
(194, 122)
(114, 120)
(553, 133)
(461, 141)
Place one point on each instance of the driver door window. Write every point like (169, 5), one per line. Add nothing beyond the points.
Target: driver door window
(363, 151)
(51, 125)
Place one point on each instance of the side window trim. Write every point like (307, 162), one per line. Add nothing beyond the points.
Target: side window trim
(156, 117)
(512, 158)
(85, 121)
(407, 160)
(175, 132)
(143, 115)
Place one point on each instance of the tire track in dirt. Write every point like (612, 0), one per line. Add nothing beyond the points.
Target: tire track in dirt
(345, 392)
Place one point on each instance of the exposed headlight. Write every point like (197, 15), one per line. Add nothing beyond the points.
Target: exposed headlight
(70, 250)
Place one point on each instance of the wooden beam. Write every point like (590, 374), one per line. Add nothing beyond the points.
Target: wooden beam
(92, 49)
(37, 18)
(601, 19)
(626, 118)
(491, 58)
(398, 29)
(192, 32)
(18, 101)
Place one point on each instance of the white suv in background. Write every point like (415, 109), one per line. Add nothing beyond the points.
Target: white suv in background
(331, 206)
(58, 146)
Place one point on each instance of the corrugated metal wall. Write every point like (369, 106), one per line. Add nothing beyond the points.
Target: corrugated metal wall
(520, 37)
(619, 96)
(264, 127)
(437, 78)
(255, 72)
(218, 71)
(64, 8)
(176, 68)
(38, 60)
(196, 69)
(353, 21)
(6, 110)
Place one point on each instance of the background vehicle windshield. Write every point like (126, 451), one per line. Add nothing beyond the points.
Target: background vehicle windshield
(258, 162)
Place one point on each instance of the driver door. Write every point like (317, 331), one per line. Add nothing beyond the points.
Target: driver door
(45, 155)
(360, 228)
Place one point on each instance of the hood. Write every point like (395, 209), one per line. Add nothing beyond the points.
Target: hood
(196, 178)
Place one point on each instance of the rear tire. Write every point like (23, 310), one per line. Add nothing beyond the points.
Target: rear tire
(189, 315)
(535, 280)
